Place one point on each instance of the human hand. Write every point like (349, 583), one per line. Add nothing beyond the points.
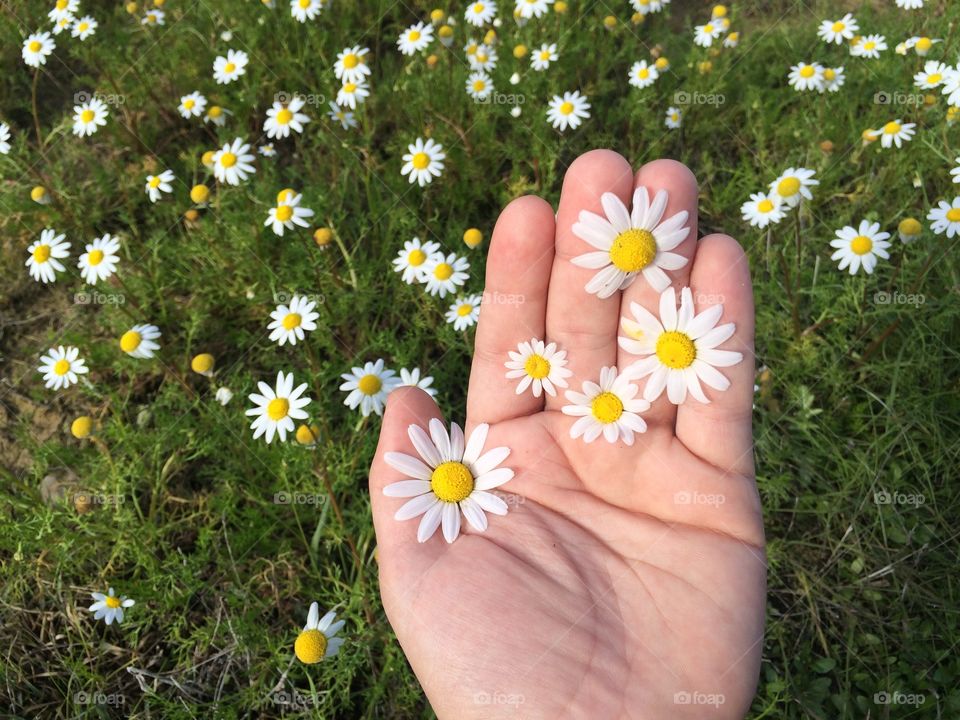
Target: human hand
(626, 581)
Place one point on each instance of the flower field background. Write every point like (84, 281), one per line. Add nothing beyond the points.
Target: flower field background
(224, 541)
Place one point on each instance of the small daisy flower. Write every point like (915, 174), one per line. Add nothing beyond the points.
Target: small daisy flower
(153, 17)
(4, 138)
(352, 94)
(445, 274)
(415, 38)
(532, 8)
(192, 105)
(704, 35)
(646, 7)
(910, 4)
(423, 161)
(833, 79)
(923, 45)
(46, 254)
(568, 111)
(289, 323)
(61, 366)
(464, 312)
(680, 348)
(36, 48)
(109, 606)
(281, 119)
(870, 46)
(318, 640)
(762, 209)
(288, 214)
(836, 31)
(156, 185)
(542, 367)
(540, 59)
(643, 75)
(344, 117)
(351, 66)
(793, 185)
(630, 243)
(89, 116)
(223, 395)
(303, 10)
(909, 230)
(674, 118)
(610, 408)
(411, 378)
(453, 475)
(229, 68)
(933, 75)
(479, 85)
(368, 387)
(100, 260)
(806, 76)
(267, 150)
(140, 341)
(945, 218)
(232, 162)
(896, 133)
(856, 247)
(64, 9)
(412, 260)
(276, 409)
(731, 40)
(84, 27)
(480, 13)
(63, 24)
(216, 115)
(485, 58)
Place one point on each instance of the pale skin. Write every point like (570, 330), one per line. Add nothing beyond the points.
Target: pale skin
(625, 582)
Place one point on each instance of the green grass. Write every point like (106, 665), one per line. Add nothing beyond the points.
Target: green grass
(860, 397)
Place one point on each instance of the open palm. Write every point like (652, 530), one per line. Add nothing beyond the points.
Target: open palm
(626, 581)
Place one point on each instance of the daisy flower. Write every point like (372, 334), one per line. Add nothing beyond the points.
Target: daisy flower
(276, 409)
(934, 74)
(909, 230)
(344, 117)
(36, 48)
(480, 13)
(870, 46)
(352, 94)
(610, 408)
(945, 218)
(464, 312)
(806, 76)
(485, 58)
(281, 119)
(704, 35)
(793, 185)
(318, 640)
(411, 378)
(153, 17)
(4, 138)
(479, 85)
(100, 260)
(224, 395)
(368, 387)
(412, 260)
(415, 38)
(303, 10)
(351, 66)
(540, 59)
(910, 4)
(232, 162)
(923, 45)
(833, 79)
(229, 68)
(680, 348)
(646, 7)
(139, 341)
(291, 322)
(287, 214)
(267, 150)
(84, 27)
(532, 8)
(951, 88)
(158, 184)
(643, 75)
(109, 606)
(542, 367)
(61, 366)
(731, 40)
(630, 243)
(568, 111)
(837, 31)
(896, 133)
(89, 116)
(423, 161)
(955, 172)
(856, 247)
(674, 118)
(64, 9)
(762, 209)
(445, 274)
(192, 105)
(63, 24)
(46, 254)
(453, 475)
(216, 115)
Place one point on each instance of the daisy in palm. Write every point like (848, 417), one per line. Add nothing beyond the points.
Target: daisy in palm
(412, 260)
(480, 13)
(140, 341)
(351, 66)
(276, 408)
(568, 110)
(109, 606)
(61, 367)
(837, 31)
(291, 322)
(318, 640)
(762, 209)
(630, 243)
(281, 119)
(610, 408)
(46, 254)
(945, 218)
(860, 247)
(232, 162)
(540, 59)
(192, 105)
(444, 275)
(367, 387)
(452, 475)
(229, 68)
(643, 75)
(793, 185)
(36, 48)
(412, 378)
(464, 312)
(423, 161)
(896, 133)
(541, 367)
(100, 259)
(346, 118)
(288, 214)
(84, 28)
(89, 116)
(156, 185)
(415, 38)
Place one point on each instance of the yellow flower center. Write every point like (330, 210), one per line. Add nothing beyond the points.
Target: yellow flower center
(154, 182)
(452, 482)
(292, 320)
(643, 73)
(61, 367)
(788, 186)
(202, 363)
(481, 57)
(861, 244)
(566, 108)
(953, 215)
(229, 67)
(838, 26)
(537, 367)
(478, 8)
(545, 55)
(35, 46)
(284, 213)
(304, 3)
(869, 45)
(215, 111)
(708, 28)
(278, 408)
(464, 309)
(350, 88)
(82, 27)
(62, 4)
(41, 253)
(924, 44)
(765, 206)
(112, 602)
(807, 71)
(421, 160)
(189, 103)
(416, 258)
(370, 384)
(284, 116)
(633, 250)
(199, 193)
(891, 128)
(130, 341)
(479, 85)
(662, 63)
(676, 350)
(443, 271)
(934, 78)
(350, 61)
(829, 74)
(910, 226)
(228, 159)
(310, 647)
(414, 35)
(95, 257)
(606, 407)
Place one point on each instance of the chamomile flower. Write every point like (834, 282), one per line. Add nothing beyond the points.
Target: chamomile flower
(704, 35)
(288, 214)
(281, 119)
(762, 209)
(344, 117)
(352, 94)
(674, 118)
(84, 27)
(444, 275)
(36, 48)
(951, 88)
(192, 105)
(453, 475)
(806, 76)
(232, 162)
(479, 85)
(860, 247)
(140, 341)
(276, 408)
(870, 46)
(415, 38)
(411, 378)
(368, 387)
(89, 116)
(643, 75)
(896, 133)
(318, 640)
(61, 366)
(99, 261)
(910, 4)
(485, 58)
(833, 79)
(568, 110)
(464, 312)
(836, 31)
(646, 7)
(216, 115)
(541, 367)
(481, 12)
(731, 40)
(223, 395)
(922, 45)
(423, 161)
(109, 607)
(945, 218)
(229, 68)
(351, 66)
(46, 254)
(64, 9)
(411, 262)
(540, 59)
(532, 8)
(63, 24)
(610, 408)
(630, 243)
(153, 17)
(933, 75)
(267, 150)
(156, 185)
(303, 10)
(4, 138)
(679, 349)
(909, 230)
(290, 322)
(793, 185)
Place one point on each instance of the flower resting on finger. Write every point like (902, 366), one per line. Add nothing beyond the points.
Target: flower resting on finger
(452, 476)
(680, 347)
(368, 387)
(611, 409)
(318, 639)
(542, 367)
